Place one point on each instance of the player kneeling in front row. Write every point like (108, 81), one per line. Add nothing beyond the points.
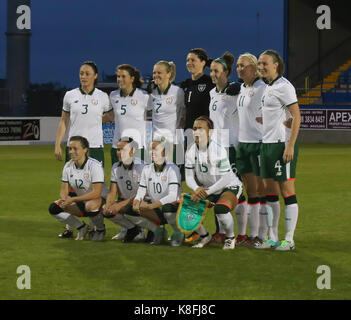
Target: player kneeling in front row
(125, 177)
(86, 176)
(208, 173)
(161, 181)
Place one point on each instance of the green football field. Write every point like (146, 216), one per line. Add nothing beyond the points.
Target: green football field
(68, 269)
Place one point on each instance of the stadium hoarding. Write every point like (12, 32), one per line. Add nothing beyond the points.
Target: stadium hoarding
(325, 119)
(19, 129)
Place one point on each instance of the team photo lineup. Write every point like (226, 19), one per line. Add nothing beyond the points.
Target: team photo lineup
(233, 145)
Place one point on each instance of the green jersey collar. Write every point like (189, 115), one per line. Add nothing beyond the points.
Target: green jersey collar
(161, 169)
(130, 95)
(89, 93)
(166, 91)
(222, 91)
(270, 84)
(256, 79)
(82, 166)
(130, 167)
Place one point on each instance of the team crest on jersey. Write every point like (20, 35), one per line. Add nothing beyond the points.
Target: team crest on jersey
(169, 100)
(164, 179)
(201, 87)
(94, 102)
(251, 93)
(86, 175)
(270, 93)
(134, 102)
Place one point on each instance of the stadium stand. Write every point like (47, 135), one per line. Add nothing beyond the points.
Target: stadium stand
(335, 88)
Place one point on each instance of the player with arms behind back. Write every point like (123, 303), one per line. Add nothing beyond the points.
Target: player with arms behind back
(279, 149)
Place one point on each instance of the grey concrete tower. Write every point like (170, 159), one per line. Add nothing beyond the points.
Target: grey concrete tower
(18, 53)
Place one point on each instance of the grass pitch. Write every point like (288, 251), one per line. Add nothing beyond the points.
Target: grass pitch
(68, 269)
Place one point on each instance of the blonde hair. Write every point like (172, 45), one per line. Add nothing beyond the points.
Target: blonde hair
(170, 68)
(252, 61)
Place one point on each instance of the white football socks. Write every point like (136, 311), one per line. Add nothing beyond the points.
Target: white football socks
(241, 212)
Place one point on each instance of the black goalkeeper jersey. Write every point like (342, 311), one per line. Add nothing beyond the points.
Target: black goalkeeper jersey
(196, 98)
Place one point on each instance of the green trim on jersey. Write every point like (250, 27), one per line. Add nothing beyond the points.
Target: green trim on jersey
(161, 169)
(222, 91)
(130, 94)
(82, 92)
(82, 166)
(291, 104)
(270, 84)
(166, 91)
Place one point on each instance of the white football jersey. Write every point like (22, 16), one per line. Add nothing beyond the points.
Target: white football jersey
(249, 108)
(167, 110)
(130, 115)
(127, 179)
(224, 114)
(82, 179)
(277, 97)
(210, 165)
(86, 111)
(156, 183)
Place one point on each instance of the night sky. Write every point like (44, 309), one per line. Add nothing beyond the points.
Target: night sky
(65, 33)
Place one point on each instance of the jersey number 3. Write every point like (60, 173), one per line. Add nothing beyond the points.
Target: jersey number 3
(86, 109)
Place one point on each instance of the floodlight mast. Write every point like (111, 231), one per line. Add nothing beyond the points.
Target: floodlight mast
(18, 54)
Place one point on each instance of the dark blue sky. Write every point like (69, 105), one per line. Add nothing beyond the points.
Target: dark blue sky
(140, 32)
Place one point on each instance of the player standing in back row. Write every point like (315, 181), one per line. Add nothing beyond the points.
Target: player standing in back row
(167, 104)
(279, 149)
(248, 150)
(129, 104)
(224, 114)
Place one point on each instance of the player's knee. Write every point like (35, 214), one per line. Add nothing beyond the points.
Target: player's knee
(91, 207)
(222, 208)
(272, 197)
(55, 209)
(290, 200)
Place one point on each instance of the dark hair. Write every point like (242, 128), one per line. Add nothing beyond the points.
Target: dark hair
(94, 67)
(276, 58)
(202, 55)
(133, 72)
(83, 142)
(133, 144)
(207, 120)
(227, 61)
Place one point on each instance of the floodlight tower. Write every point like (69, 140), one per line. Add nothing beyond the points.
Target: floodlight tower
(18, 53)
